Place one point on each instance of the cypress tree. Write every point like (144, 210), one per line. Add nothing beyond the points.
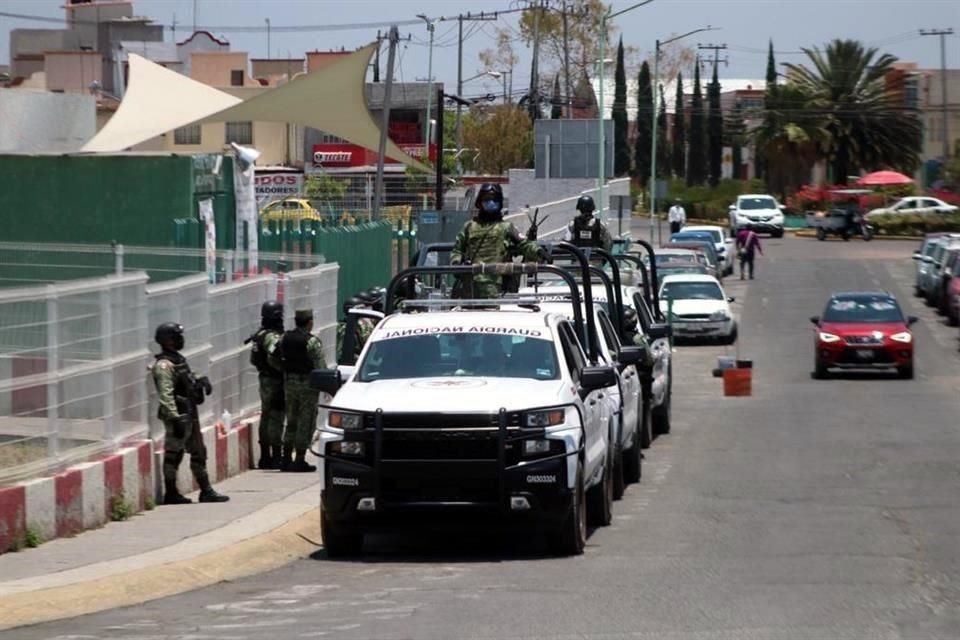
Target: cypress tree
(663, 148)
(715, 130)
(697, 152)
(621, 134)
(770, 102)
(644, 124)
(678, 153)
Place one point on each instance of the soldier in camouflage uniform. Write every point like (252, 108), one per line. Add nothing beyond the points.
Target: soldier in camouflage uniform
(639, 340)
(271, 383)
(586, 230)
(489, 239)
(298, 353)
(179, 393)
(363, 327)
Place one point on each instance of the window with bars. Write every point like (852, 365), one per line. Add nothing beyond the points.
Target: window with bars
(189, 134)
(239, 132)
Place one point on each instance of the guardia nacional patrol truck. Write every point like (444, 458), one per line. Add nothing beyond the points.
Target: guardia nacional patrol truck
(490, 411)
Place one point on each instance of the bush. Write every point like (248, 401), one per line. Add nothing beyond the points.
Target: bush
(710, 203)
(914, 225)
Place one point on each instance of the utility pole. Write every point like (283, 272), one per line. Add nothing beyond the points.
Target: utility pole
(194, 16)
(716, 48)
(943, 83)
(394, 37)
(482, 16)
(426, 129)
(568, 111)
(376, 58)
(534, 98)
(267, 20)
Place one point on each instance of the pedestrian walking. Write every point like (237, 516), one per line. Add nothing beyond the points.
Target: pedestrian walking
(178, 393)
(489, 239)
(677, 217)
(748, 245)
(265, 342)
(586, 230)
(298, 353)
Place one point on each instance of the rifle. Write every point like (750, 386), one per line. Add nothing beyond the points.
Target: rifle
(534, 224)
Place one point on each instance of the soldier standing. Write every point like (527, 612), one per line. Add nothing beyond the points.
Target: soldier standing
(489, 239)
(362, 328)
(299, 352)
(179, 393)
(586, 230)
(265, 342)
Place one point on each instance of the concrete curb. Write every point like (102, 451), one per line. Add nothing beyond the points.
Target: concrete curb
(262, 541)
(83, 496)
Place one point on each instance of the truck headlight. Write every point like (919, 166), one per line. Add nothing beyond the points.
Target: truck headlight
(345, 421)
(719, 316)
(544, 419)
(348, 448)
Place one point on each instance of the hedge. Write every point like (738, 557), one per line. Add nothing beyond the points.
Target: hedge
(914, 225)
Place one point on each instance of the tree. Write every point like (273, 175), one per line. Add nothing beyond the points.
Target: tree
(714, 130)
(502, 57)
(697, 152)
(584, 22)
(867, 126)
(644, 124)
(556, 110)
(735, 136)
(770, 100)
(663, 149)
(621, 132)
(502, 136)
(678, 153)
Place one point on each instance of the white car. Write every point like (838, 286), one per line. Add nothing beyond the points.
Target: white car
(914, 206)
(725, 244)
(451, 416)
(762, 212)
(700, 307)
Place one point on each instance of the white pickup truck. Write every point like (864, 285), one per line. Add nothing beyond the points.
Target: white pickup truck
(492, 413)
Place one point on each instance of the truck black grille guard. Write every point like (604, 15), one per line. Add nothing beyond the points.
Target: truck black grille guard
(508, 426)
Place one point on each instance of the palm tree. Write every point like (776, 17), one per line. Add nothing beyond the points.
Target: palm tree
(789, 139)
(846, 93)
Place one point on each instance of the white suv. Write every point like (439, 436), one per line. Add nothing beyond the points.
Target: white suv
(760, 211)
(489, 416)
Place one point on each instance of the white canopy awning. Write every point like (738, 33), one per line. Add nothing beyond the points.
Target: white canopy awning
(330, 100)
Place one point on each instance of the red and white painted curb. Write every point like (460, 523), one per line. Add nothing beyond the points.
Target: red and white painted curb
(83, 496)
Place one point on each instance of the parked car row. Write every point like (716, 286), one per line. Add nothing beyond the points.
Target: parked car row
(527, 411)
(937, 264)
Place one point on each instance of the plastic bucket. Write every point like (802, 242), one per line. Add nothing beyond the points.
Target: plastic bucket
(737, 382)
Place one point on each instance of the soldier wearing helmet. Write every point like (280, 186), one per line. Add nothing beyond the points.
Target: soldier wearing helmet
(265, 342)
(631, 326)
(586, 230)
(488, 239)
(178, 394)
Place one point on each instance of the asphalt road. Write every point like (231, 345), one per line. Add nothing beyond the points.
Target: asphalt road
(821, 510)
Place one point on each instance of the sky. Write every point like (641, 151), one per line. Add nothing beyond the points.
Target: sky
(745, 26)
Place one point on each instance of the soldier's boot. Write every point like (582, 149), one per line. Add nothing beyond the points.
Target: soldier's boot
(300, 465)
(207, 493)
(286, 459)
(266, 457)
(172, 495)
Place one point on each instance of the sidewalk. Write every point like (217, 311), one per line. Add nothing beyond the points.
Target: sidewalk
(270, 520)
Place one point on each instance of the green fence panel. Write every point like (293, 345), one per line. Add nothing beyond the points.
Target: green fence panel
(363, 253)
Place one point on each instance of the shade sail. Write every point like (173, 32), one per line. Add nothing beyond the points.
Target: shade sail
(157, 101)
(884, 178)
(331, 100)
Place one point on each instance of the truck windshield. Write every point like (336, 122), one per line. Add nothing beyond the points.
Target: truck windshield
(440, 355)
(691, 291)
(753, 204)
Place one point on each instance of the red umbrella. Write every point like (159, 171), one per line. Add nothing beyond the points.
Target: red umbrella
(884, 178)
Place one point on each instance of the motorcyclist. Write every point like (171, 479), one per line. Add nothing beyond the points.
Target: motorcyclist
(586, 230)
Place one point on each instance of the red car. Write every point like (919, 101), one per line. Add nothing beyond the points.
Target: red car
(863, 331)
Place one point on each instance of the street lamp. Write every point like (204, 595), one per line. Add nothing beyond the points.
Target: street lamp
(431, 24)
(602, 134)
(653, 138)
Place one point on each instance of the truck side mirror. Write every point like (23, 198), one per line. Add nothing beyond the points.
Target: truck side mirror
(593, 378)
(631, 355)
(660, 331)
(326, 380)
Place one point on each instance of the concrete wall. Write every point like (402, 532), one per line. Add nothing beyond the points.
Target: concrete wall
(35, 121)
(214, 68)
(73, 71)
(526, 190)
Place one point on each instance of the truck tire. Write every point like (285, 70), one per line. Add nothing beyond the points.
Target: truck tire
(600, 497)
(633, 457)
(336, 543)
(571, 538)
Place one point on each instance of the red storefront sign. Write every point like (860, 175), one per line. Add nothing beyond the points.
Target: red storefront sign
(341, 154)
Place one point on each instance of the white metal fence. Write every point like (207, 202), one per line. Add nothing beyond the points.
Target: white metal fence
(74, 357)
